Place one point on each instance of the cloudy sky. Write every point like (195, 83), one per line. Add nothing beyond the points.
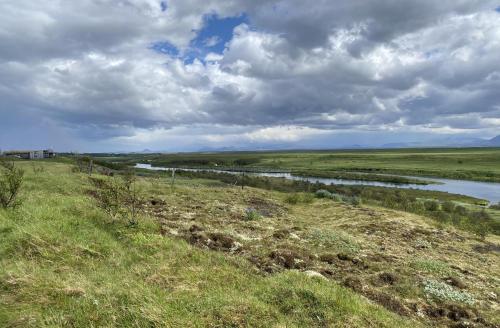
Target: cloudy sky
(125, 75)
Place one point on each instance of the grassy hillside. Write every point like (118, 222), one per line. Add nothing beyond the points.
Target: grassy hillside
(210, 254)
(64, 263)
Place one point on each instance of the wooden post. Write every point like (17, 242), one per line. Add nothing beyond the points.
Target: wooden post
(173, 177)
(91, 164)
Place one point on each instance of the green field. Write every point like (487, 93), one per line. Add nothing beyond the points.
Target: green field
(206, 253)
(482, 164)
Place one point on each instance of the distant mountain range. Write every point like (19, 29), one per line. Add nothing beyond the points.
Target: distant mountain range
(494, 142)
(448, 142)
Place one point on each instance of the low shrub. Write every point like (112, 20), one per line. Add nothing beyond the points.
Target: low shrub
(252, 214)
(338, 240)
(118, 197)
(431, 205)
(322, 193)
(448, 207)
(431, 266)
(299, 198)
(353, 200)
(460, 210)
(11, 180)
(441, 291)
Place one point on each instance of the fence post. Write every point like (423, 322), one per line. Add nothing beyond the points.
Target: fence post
(173, 177)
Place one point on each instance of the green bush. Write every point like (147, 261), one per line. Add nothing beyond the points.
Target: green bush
(118, 197)
(353, 200)
(299, 198)
(431, 205)
(11, 180)
(252, 214)
(431, 266)
(336, 240)
(460, 210)
(448, 206)
(322, 193)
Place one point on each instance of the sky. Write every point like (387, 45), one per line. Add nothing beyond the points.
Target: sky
(188, 75)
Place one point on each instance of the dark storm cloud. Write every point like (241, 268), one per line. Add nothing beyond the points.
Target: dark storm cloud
(88, 68)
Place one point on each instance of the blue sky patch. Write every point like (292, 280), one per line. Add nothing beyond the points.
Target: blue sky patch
(216, 32)
(163, 5)
(166, 48)
(214, 35)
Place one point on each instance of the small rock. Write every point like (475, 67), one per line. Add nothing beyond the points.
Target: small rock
(492, 296)
(236, 246)
(314, 274)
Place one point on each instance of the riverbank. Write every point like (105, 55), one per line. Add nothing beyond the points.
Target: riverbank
(480, 192)
(472, 164)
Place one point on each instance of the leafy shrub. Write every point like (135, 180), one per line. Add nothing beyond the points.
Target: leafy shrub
(353, 200)
(299, 198)
(460, 210)
(337, 240)
(478, 225)
(252, 214)
(431, 205)
(118, 197)
(131, 196)
(11, 180)
(322, 193)
(442, 217)
(431, 266)
(448, 207)
(441, 291)
(496, 206)
(108, 195)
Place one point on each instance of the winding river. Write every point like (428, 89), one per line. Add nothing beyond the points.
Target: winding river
(482, 190)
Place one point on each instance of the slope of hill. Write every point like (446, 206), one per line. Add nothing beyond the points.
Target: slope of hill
(209, 254)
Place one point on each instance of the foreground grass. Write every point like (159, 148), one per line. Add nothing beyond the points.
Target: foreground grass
(63, 263)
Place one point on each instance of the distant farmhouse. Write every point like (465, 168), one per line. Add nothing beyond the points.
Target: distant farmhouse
(30, 154)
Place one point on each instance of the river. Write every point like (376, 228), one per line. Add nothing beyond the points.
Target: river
(483, 190)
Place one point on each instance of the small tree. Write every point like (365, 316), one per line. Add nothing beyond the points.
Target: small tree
(131, 196)
(108, 195)
(11, 180)
(119, 197)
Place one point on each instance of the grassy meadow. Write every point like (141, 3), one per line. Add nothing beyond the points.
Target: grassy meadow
(208, 253)
(480, 164)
